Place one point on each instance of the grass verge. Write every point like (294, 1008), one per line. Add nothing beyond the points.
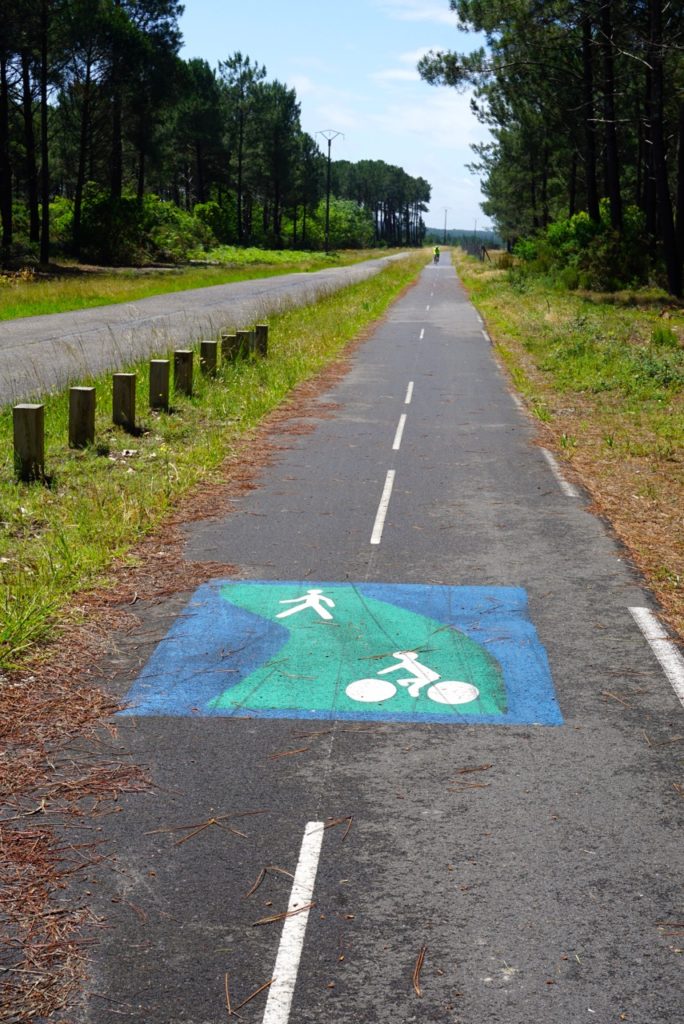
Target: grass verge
(604, 376)
(58, 540)
(70, 287)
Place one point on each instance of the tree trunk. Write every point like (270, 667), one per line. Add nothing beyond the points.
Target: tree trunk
(572, 186)
(141, 174)
(680, 183)
(589, 122)
(30, 144)
(44, 151)
(5, 165)
(82, 158)
(199, 160)
(666, 224)
(116, 164)
(612, 156)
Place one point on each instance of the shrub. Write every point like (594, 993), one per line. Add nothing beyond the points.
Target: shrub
(221, 220)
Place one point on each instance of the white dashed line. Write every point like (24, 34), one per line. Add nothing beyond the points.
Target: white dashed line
(400, 433)
(427, 308)
(422, 334)
(568, 489)
(292, 938)
(379, 525)
(409, 393)
(486, 336)
(671, 661)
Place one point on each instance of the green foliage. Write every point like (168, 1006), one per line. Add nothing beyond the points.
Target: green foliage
(61, 220)
(221, 220)
(351, 227)
(125, 231)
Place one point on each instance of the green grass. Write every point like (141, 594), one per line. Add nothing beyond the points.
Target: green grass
(58, 540)
(25, 294)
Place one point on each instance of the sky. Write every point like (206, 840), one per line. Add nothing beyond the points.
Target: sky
(353, 65)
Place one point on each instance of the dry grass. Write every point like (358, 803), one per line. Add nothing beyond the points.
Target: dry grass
(622, 442)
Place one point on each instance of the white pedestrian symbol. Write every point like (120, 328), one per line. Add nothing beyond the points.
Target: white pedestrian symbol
(448, 691)
(312, 599)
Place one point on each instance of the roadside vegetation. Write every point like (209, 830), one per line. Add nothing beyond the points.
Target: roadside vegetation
(67, 286)
(603, 373)
(58, 540)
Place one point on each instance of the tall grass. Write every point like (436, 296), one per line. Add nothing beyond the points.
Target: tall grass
(60, 539)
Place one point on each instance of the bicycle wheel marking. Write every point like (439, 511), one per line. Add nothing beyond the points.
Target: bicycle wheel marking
(386, 652)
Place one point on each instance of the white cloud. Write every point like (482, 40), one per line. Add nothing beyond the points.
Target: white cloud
(302, 84)
(396, 75)
(442, 120)
(419, 10)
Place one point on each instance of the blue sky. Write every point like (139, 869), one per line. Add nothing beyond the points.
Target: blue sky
(353, 66)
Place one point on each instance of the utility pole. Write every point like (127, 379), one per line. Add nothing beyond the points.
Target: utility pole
(329, 134)
(446, 210)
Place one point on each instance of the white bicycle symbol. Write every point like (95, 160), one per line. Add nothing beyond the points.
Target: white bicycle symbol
(444, 691)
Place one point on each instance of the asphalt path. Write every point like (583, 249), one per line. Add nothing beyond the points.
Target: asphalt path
(531, 859)
(40, 354)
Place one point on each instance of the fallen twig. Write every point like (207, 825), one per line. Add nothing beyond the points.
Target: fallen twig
(249, 999)
(474, 768)
(333, 822)
(287, 753)
(272, 918)
(415, 978)
(262, 875)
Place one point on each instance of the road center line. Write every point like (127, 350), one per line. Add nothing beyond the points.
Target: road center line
(379, 524)
(422, 334)
(292, 938)
(568, 489)
(671, 661)
(409, 393)
(399, 434)
(427, 308)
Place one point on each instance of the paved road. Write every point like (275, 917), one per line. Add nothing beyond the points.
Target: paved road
(43, 353)
(442, 682)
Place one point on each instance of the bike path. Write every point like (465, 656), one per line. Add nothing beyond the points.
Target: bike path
(525, 840)
(45, 353)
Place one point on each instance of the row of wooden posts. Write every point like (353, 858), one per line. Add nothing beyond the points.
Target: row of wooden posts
(29, 420)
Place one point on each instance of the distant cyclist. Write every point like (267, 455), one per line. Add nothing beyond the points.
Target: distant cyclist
(435, 254)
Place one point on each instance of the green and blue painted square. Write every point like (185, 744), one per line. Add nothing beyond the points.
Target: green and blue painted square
(355, 651)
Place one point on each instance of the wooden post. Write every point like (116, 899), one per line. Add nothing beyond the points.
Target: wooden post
(81, 417)
(243, 343)
(229, 347)
(182, 371)
(261, 331)
(29, 441)
(123, 400)
(159, 384)
(208, 357)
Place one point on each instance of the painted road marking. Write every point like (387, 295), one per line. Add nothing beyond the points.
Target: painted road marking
(568, 489)
(369, 651)
(292, 938)
(518, 402)
(486, 336)
(409, 393)
(422, 334)
(427, 308)
(663, 647)
(400, 432)
(379, 524)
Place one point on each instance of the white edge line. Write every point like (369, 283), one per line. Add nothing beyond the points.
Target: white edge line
(665, 650)
(292, 938)
(568, 489)
(396, 445)
(409, 393)
(486, 336)
(422, 334)
(379, 524)
(518, 402)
